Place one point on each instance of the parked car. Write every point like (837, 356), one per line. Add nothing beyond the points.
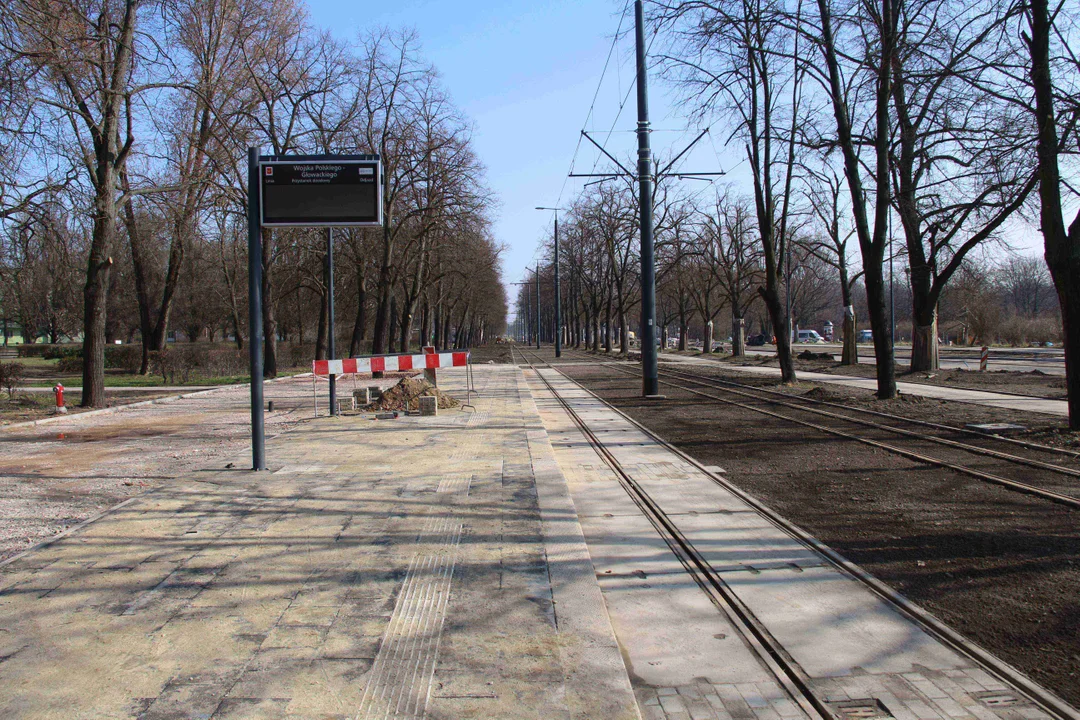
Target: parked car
(810, 336)
(758, 340)
(865, 336)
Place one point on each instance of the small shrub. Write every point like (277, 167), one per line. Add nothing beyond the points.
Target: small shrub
(223, 361)
(11, 375)
(124, 357)
(176, 365)
(70, 365)
(47, 351)
(296, 355)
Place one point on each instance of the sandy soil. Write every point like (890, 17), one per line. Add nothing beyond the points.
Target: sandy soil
(56, 475)
(1000, 567)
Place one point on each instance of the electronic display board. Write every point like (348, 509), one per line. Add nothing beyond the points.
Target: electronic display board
(321, 191)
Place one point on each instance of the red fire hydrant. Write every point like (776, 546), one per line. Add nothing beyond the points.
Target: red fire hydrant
(59, 390)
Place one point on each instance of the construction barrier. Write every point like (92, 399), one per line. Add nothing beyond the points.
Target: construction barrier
(391, 363)
(429, 362)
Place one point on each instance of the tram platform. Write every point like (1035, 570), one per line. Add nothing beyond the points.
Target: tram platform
(541, 557)
(417, 567)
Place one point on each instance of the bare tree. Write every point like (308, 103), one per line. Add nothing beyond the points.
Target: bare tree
(873, 241)
(1054, 70)
(823, 192)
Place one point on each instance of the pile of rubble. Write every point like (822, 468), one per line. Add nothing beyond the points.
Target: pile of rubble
(405, 397)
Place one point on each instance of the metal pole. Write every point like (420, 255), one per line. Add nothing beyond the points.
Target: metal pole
(255, 339)
(538, 306)
(650, 381)
(330, 314)
(558, 301)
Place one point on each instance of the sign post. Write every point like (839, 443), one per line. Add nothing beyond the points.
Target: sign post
(302, 191)
(255, 327)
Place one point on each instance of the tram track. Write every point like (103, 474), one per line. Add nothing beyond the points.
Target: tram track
(797, 683)
(750, 398)
(768, 649)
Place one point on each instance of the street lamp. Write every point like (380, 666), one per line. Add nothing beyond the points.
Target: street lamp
(558, 303)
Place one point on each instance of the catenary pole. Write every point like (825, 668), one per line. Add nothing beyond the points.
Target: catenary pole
(558, 294)
(538, 326)
(255, 339)
(558, 299)
(330, 315)
(650, 381)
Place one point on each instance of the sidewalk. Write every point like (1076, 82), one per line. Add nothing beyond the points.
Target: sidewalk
(417, 567)
(976, 397)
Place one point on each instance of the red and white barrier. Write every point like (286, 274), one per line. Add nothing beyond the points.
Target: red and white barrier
(391, 363)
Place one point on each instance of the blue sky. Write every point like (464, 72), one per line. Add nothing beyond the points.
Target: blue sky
(525, 73)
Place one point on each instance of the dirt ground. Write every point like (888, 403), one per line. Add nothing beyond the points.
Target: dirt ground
(1000, 567)
(1034, 383)
(27, 406)
(55, 476)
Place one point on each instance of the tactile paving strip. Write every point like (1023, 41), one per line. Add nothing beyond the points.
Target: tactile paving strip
(400, 682)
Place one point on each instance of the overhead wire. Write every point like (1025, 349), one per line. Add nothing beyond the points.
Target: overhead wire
(596, 94)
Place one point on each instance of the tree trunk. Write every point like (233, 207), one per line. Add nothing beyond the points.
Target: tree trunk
(425, 323)
(142, 292)
(1062, 246)
(322, 337)
(392, 334)
(924, 341)
(95, 297)
(872, 246)
(738, 335)
(783, 340)
(850, 354)
(406, 325)
(851, 347)
(383, 312)
(879, 326)
(607, 327)
(624, 329)
(360, 323)
(270, 368)
(437, 322)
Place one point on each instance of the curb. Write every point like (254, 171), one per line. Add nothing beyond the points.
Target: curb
(141, 403)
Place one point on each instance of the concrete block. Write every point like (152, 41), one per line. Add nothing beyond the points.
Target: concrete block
(432, 376)
(346, 404)
(362, 397)
(429, 406)
(374, 392)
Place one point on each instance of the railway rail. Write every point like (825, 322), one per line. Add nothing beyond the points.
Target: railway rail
(771, 652)
(753, 398)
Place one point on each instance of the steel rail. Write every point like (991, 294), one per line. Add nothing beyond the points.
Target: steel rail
(932, 625)
(779, 661)
(974, 449)
(1067, 500)
(877, 413)
(924, 423)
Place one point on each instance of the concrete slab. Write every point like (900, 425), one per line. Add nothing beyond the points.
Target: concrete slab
(421, 567)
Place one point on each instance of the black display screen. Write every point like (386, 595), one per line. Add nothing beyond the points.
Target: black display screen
(321, 192)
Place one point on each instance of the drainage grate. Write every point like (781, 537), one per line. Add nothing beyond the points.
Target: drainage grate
(862, 708)
(997, 699)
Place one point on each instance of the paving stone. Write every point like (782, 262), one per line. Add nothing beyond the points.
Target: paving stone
(281, 595)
